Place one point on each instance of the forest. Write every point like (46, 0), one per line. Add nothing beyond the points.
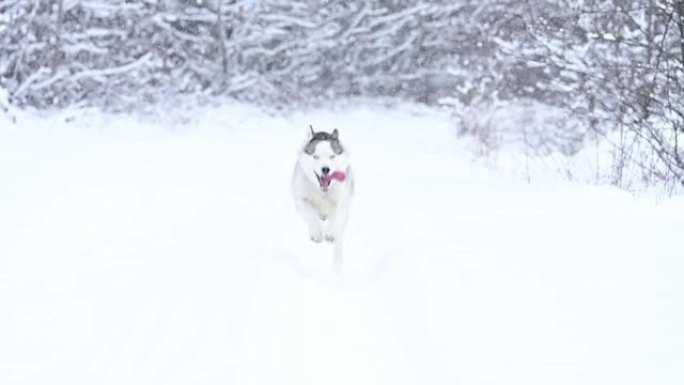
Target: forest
(613, 68)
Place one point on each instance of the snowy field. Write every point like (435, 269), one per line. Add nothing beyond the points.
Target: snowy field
(135, 252)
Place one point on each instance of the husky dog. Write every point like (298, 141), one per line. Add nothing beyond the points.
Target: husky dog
(322, 184)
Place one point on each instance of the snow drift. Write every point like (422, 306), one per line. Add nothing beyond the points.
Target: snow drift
(134, 252)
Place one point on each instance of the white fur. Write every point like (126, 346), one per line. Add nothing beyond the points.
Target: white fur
(325, 212)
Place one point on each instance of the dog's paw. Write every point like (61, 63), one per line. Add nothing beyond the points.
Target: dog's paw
(330, 237)
(316, 236)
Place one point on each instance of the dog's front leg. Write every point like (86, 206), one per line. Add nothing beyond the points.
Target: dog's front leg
(312, 219)
(337, 223)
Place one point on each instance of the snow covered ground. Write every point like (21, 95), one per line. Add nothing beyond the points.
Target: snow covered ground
(134, 252)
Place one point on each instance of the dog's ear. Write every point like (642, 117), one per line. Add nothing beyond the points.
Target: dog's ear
(335, 134)
(311, 131)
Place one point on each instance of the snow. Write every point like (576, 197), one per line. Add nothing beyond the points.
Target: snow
(136, 251)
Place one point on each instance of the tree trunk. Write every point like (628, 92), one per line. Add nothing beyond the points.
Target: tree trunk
(680, 22)
(57, 52)
(221, 36)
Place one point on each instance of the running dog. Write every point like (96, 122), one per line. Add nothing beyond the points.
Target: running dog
(323, 185)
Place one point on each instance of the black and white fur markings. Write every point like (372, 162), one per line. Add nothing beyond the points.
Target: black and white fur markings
(322, 185)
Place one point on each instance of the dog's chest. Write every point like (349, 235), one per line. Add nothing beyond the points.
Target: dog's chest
(322, 204)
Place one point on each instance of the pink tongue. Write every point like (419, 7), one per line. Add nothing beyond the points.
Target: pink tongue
(326, 179)
(339, 175)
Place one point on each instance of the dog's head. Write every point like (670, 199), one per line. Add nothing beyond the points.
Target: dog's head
(324, 158)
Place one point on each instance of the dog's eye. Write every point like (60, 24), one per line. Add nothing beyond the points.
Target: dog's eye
(332, 157)
(316, 157)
